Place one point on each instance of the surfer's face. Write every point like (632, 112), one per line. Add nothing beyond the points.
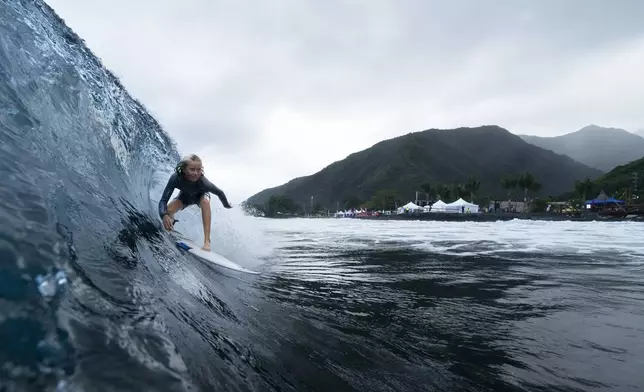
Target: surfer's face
(193, 171)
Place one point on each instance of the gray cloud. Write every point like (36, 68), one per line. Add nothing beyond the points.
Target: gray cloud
(267, 91)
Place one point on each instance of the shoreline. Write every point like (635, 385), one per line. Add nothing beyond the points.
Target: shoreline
(486, 217)
(482, 217)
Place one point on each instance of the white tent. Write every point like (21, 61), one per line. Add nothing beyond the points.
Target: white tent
(464, 205)
(441, 206)
(438, 206)
(408, 207)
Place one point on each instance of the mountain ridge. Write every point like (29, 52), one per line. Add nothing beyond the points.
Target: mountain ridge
(598, 147)
(438, 156)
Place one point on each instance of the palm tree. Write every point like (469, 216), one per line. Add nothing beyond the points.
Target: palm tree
(583, 187)
(443, 192)
(457, 190)
(472, 187)
(509, 182)
(535, 187)
(429, 188)
(525, 181)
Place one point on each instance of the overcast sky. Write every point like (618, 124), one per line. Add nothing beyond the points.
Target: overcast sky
(267, 91)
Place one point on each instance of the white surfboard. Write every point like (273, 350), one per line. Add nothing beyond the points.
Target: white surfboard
(212, 257)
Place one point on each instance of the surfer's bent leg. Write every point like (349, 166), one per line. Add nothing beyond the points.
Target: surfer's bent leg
(204, 204)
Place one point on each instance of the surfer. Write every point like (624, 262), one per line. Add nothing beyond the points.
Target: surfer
(194, 188)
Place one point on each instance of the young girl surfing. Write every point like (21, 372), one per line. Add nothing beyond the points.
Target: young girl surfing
(194, 188)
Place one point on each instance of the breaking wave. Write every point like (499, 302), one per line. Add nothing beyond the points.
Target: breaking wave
(87, 280)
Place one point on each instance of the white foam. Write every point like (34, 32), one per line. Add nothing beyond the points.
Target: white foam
(466, 237)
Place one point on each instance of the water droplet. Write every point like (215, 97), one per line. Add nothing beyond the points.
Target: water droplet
(20, 261)
(61, 386)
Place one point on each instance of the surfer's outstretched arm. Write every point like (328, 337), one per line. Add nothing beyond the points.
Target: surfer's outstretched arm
(210, 187)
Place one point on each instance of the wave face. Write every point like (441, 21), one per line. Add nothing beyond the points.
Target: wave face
(93, 294)
(78, 155)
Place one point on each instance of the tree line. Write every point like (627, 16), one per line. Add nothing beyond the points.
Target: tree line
(524, 181)
(280, 205)
(389, 199)
(452, 191)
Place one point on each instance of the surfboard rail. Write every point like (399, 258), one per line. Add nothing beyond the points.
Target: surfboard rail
(212, 257)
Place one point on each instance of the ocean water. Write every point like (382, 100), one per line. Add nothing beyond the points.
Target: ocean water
(94, 296)
(518, 305)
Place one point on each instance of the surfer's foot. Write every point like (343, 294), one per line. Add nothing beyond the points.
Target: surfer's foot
(206, 246)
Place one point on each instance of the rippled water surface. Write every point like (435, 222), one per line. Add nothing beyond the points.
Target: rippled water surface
(515, 305)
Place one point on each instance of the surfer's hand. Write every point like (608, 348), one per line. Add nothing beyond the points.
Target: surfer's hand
(168, 222)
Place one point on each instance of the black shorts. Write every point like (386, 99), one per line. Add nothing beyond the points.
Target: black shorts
(188, 200)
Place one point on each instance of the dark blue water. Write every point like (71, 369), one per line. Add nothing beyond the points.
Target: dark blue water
(332, 311)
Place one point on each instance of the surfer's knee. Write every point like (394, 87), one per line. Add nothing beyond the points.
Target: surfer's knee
(204, 202)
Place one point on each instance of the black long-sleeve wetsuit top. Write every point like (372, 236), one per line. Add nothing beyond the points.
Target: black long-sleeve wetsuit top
(189, 190)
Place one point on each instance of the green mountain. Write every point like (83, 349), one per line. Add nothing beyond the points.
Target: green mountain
(435, 156)
(601, 148)
(621, 178)
(622, 182)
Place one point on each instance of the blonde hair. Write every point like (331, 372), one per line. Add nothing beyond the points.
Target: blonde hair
(183, 163)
